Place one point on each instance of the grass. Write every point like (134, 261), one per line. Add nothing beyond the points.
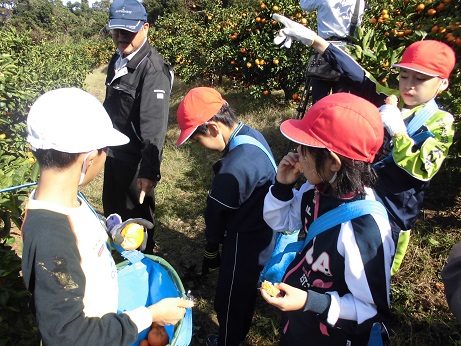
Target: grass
(420, 311)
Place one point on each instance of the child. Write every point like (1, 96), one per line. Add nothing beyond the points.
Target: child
(338, 286)
(66, 263)
(233, 214)
(413, 150)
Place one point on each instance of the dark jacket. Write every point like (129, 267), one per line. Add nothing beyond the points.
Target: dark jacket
(235, 201)
(138, 104)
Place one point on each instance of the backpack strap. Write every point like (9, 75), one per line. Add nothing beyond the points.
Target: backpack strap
(245, 139)
(418, 120)
(343, 213)
(422, 117)
(131, 255)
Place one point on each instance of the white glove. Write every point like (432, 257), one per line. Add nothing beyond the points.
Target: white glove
(392, 119)
(292, 31)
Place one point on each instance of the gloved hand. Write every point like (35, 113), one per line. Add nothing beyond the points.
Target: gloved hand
(392, 119)
(211, 259)
(292, 31)
(131, 234)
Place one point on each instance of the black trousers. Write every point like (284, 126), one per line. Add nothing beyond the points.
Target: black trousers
(243, 256)
(322, 88)
(120, 195)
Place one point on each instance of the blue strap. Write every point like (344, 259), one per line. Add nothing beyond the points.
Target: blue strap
(422, 136)
(12, 188)
(244, 139)
(376, 338)
(422, 117)
(414, 125)
(343, 213)
(131, 255)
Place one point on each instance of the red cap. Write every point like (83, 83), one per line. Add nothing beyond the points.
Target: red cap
(198, 106)
(430, 57)
(343, 123)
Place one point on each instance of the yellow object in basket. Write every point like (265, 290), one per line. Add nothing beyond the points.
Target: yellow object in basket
(133, 236)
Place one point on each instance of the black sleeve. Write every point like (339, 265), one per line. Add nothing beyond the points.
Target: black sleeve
(153, 114)
(52, 272)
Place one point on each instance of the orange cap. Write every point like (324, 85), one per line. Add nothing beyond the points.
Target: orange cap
(198, 106)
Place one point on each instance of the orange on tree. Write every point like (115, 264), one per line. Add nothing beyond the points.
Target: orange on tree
(275, 8)
(275, 61)
(249, 64)
(431, 12)
(420, 7)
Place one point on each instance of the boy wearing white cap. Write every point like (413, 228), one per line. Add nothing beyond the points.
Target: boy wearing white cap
(66, 261)
(418, 133)
(338, 286)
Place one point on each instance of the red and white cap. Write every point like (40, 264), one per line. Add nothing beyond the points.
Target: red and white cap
(429, 57)
(343, 123)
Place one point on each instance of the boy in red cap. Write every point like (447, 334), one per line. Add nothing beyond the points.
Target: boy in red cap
(338, 286)
(233, 214)
(418, 133)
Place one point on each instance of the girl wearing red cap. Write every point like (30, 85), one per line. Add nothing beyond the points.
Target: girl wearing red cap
(418, 133)
(338, 286)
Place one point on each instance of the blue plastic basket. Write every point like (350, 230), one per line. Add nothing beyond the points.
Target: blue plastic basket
(145, 280)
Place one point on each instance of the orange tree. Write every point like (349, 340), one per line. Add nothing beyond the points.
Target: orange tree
(213, 42)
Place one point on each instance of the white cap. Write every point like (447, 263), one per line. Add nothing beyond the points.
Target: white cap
(71, 120)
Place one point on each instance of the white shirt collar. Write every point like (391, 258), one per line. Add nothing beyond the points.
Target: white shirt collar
(122, 61)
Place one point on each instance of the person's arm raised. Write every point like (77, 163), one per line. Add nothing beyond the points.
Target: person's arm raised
(297, 32)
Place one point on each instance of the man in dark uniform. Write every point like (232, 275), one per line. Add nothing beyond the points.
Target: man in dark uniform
(138, 87)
